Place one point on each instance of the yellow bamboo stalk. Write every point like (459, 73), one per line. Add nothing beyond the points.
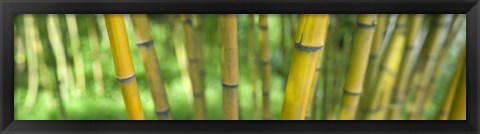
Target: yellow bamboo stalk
(146, 47)
(124, 65)
(79, 69)
(452, 88)
(95, 56)
(440, 61)
(32, 59)
(193, 67)
(427, 63)
(398, 99)
(265, 65)
(380, 92)
(230, 67)
(374, 60)
(358, 65)
(309, 40)
(459, 108)
(252, 66)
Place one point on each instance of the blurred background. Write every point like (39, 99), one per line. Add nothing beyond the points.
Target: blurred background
(84, 61)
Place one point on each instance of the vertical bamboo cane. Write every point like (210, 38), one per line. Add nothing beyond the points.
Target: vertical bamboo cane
(32, 60)
(428, 56)
(19, 51)
(309, 40)
(452, 88)
(145, 44)
(77, 54)
(440, 61)
(95, 55)
(380, 92)
(252, 66)
(124, 65)
(266, 66)
(61, 62)
(406, 67)
(374, 57)
(358, 65)
(459, 108)
(230, 67)
(313, 96)
(194, 68)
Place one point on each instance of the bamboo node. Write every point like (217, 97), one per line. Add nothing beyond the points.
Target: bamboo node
(126, 79)
(198, 94)
(163, 113)
(409, 47)
(347, 92)
(145, 44)
(266, 94)
(263, 27)
(188, 21)
(229, 86)
(300, 47)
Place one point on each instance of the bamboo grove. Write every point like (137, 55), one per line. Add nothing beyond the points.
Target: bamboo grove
(240, 67)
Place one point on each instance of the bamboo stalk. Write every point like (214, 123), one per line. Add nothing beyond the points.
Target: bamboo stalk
(79, 69)
(313, 96)
(60, 58)
(230, 67)
(124, 68)
(32, 59)
(193, 68)
(398, 99)
(95, 56)
(440, 61)
(379, 94)
(252, 67)
(146, 47)
(459, 108)
(375, 51)
(427, 63)
(358, 65)
(447, 103)
(265, 65)
(309, 40)
(19, 49)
